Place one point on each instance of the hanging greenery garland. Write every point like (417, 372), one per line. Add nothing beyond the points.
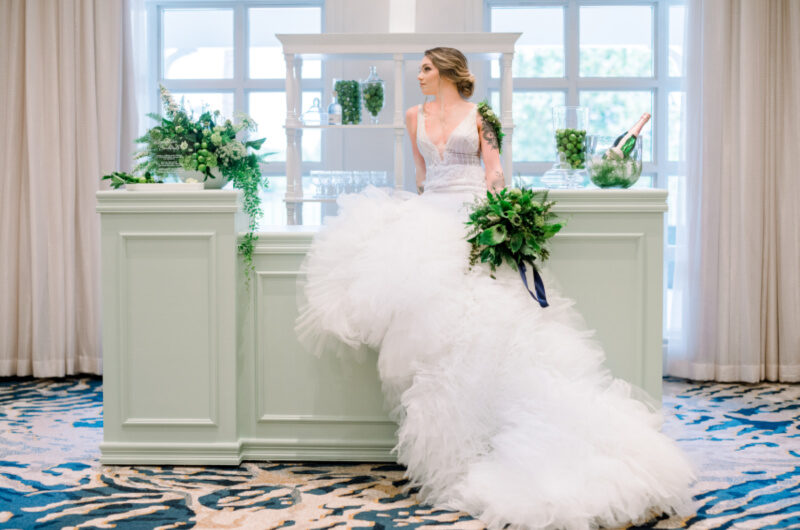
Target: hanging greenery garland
(491, 118)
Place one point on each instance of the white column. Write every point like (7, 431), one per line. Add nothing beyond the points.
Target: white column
(294, 135)
(506, 94)
(398, 89)
(294, 183)
(398, 120)
(291, 117)
(298, 86)
(398, 158)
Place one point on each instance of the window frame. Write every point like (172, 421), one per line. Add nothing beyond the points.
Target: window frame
(241, 85)
(660, 84)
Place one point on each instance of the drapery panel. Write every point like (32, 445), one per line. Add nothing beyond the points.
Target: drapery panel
(61, 109)
(737, 280)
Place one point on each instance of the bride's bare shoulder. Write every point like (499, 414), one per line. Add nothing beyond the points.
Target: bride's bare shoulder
(412, 111)
(411, 114)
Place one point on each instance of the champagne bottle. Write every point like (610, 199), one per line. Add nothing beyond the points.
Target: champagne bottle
(334, 111)
(625, 142)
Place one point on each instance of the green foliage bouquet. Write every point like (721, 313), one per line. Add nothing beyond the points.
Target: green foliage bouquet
(513, 225)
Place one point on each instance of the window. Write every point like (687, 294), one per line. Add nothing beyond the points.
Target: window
(619, 58)
(224, 55)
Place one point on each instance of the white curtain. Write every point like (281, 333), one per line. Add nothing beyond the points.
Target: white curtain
(737, 281)
(61, 110)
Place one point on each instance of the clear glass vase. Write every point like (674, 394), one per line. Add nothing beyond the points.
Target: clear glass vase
(570, 126)
(608, 169)
(373, 94)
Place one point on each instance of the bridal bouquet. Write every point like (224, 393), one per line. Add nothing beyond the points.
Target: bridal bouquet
(513, 225)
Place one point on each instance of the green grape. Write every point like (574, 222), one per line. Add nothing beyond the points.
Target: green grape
(570, 144)
(373, 98)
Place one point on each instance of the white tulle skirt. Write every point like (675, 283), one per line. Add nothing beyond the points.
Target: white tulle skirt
(505, 409)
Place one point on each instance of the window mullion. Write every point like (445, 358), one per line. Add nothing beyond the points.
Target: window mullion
(200, 85)
(531, 83)
(240, 54)
(615, 83)
(155, 66)
(661, 108)
(572, 51)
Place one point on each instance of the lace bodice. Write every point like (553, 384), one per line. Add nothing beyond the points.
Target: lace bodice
(459, 168)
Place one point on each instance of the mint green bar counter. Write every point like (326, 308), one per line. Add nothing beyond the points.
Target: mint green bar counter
(200, 369)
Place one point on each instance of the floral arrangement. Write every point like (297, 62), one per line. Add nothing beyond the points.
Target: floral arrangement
(208, 145)
(202, 144)
(491, 118)
(513, 225)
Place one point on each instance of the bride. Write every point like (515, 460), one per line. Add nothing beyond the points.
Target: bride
(505, 409)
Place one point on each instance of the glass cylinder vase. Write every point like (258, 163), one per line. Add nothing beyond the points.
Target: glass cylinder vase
(570, 125)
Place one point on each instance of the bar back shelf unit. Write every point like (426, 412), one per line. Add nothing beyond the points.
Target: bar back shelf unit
(399, 47)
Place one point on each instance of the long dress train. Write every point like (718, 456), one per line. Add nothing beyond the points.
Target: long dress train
(505, 409)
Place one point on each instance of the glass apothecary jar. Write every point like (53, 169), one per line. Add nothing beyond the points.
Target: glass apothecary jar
(314, 115)
(570, 126)
(373, 94)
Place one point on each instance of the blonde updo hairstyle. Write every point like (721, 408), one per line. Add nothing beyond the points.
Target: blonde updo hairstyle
(452, 65)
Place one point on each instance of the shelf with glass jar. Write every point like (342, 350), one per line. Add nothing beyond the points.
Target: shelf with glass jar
(379, 46)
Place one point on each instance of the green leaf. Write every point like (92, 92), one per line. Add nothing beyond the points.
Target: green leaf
(551, 230)
(516, 242)
(256, 144)
(493, 236)
(497, 260)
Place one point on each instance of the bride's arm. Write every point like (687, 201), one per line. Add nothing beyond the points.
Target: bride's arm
(419, 162)
(491, 156)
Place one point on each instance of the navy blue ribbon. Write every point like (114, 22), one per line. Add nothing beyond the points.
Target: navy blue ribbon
(538, 284)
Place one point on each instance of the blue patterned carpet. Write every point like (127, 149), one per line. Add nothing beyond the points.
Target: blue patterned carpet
(744, 440)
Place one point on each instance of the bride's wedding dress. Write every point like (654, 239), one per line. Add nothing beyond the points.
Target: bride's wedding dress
(505, 409)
